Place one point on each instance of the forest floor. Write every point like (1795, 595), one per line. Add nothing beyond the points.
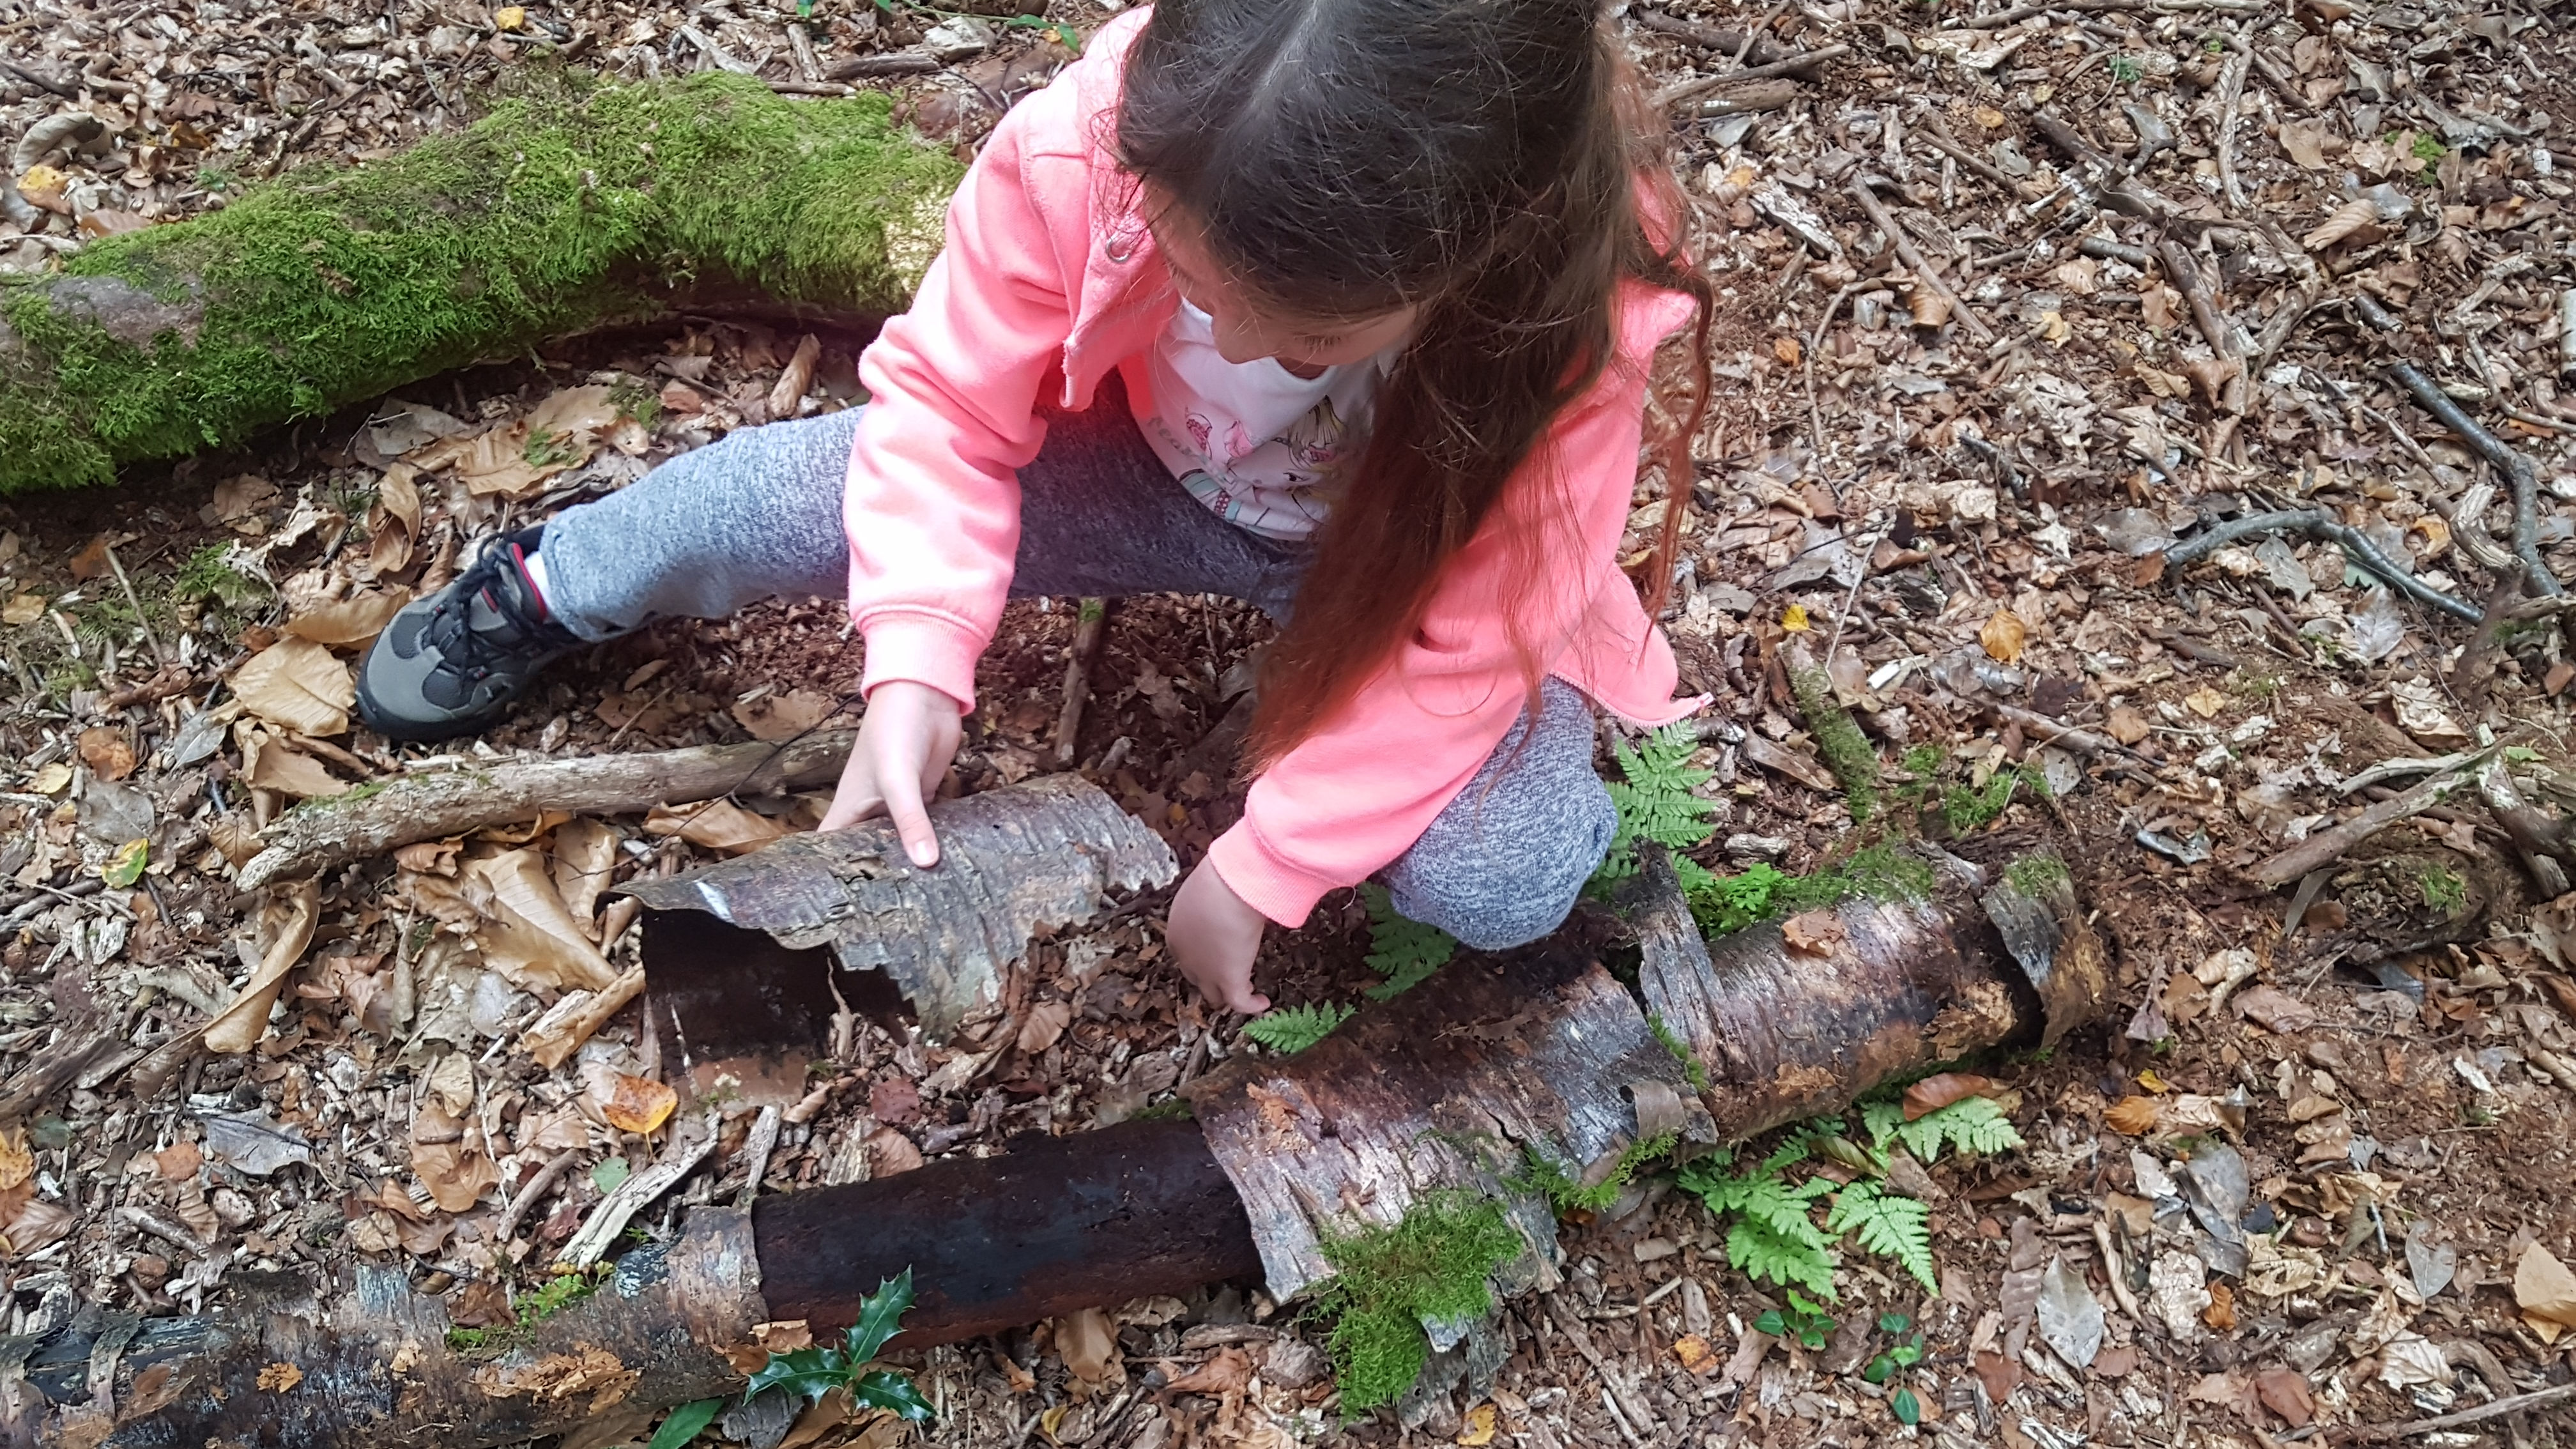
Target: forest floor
(2152, 264)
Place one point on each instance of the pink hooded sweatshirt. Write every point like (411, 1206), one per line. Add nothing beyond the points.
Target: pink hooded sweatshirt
(1050, 280)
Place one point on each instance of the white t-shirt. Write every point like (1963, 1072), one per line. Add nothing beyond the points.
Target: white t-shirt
(1259, 445)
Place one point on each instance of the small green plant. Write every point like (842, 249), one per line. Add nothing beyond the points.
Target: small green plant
(2429, 148)
(635, 400)
(1725, 904)
(530, 1309)
(1889, 1224)
(1289, 1030)
(209, 575)
(1402, 950)
(1387, 1280)
(2443, 890)
(2127, 69)
(1671, 1040)
(1804, 1320)
(1654, 800)
(1973, 1125)
(1890, 1366)
(545, 449)
(810, 1373)
(2035, 875)
(2214, 44)
(1567, 1196)
(1774, 1238)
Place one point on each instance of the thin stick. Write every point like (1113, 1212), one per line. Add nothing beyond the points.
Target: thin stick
(2517, 469)
(1816, 339)
(2328, 846)
(2356, 546)
(1087, 629)
(1807, 60)
(159, 655)
(2516, 1404)
(1930, 131)
(1913, 258)
(2020, 13)
(2231, 94)
(538, 1186)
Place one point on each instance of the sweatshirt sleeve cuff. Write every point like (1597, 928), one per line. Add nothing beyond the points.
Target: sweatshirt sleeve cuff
(1272, 886)
(924, 649)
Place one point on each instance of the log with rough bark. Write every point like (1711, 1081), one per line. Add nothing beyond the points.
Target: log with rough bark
(435, 804)
(553, 215)
(1494, 1068)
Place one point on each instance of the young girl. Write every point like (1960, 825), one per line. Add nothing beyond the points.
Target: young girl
(1344, 307)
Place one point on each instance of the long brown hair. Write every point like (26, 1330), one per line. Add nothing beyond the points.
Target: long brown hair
(1480, 160)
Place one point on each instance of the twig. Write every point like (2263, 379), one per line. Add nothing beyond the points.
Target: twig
(633, 1195)
(142, 621)
(1804, 61)
(2406, 767)
(756, 1150)
(1912, 256)
(868, 67)
(2020, 13)
(2517, 469)
(1771, 95)
(2328, 846)
(1092, 622)
(810, 88)
(2518, 1403)
(537, 1187)
(1930, 130)
(2535, 833)
(2073, 739)
(2231, 94)
(2185, 274)
(1743, 45)
(2356, 546)
(1815, 340)
(2312, 284)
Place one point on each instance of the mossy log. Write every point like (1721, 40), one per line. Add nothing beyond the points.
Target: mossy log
(554, 214)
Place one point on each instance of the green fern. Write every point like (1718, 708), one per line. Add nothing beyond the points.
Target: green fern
(1655, 802)
(1402, 950)
(1289, 1030)
(1774, 1237)
(1973, 1125)
(1888, 1224)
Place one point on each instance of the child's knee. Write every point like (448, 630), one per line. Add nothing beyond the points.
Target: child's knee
(1510, 887)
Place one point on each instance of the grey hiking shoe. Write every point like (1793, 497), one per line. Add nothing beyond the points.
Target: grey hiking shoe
(450, 664)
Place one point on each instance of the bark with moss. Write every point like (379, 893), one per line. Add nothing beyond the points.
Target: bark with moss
(555, 214)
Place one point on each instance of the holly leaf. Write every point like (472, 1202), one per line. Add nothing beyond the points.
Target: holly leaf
(808, 1372)
(893, 1392)
(880, 1315)
(684, 1422)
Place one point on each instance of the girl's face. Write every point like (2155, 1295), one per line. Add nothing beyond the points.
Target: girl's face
(1245, 332)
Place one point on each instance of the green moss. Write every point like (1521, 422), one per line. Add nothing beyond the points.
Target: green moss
(1846, 751)
(207, 575)
(1729, 903)
(1543, 1176)
(2035, 875)
(1386, 1280)
(1692, 1071)
(2443, 890)
(552, 214)
(1175, 1109)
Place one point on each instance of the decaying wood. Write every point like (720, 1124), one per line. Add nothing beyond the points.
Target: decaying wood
(1090, 622)
(433, 805)
(1043, 852)
(2329, 845)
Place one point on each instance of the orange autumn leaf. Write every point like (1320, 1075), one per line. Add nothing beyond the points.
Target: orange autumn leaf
(1938, 1091)
(1812, 933)
(2131, 1116)
(2003, 635)
(1695, 1354)
(2221, 1312)
(639, 1104)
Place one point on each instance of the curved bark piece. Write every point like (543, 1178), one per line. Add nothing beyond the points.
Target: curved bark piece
(553, 215)
(1455, 1084)
(320, 834)
(1043, 852)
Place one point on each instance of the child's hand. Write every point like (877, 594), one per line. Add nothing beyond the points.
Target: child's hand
(1213, 937)
(906, 741)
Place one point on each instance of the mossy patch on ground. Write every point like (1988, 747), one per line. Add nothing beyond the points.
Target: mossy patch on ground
(1432, 1264)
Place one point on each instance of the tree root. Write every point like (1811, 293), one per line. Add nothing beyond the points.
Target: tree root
(2356, 546)
(2518, 470)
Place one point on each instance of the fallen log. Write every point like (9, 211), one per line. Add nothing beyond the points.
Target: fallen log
(553, 215)
(1497, 1073)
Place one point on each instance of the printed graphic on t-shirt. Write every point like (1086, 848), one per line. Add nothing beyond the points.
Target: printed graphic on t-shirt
(1255, 443)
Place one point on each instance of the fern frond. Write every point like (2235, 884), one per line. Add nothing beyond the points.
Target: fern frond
(1788, 1261)
(1655, 802)
(1289, 1030)
(1880, 1120)
(1401, 949)
(1971, 1124)
(1891, 1225)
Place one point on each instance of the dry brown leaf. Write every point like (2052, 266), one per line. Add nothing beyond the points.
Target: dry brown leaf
(715, 824)
(91, 562)
(17, 1164)
(394, 521)
(638, 1104)
(2003, 635)
(1045, 1022)
(2132, 1116)
(1696, 1355)
(1089, 1346)
(276, 765)
(2284, 1391)
(284, 929)
(2221, 1312)
(528, 935)
(1227, 1373)
(2205, 702)
(582, 412)
(235, 837)
(1478, 1426)
(353, 620)
(106, 751)
(179, 1160)
(1787, 350)
(2545, 1292)
(2342, 223)
(1812, 933)
(277, 1378)
(482, 1303)
(295, 683)
(22, 609)
(238, 501)
(890, 1153)
(585, 861)
(1928, 307)
(36, 1225)
(1943, 1088)
(774, 717)
(2126, 725)
(456, 1176)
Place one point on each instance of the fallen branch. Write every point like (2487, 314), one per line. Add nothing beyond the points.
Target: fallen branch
(1091, 622)
(321, 834)
(1846, 751)
(2356, 546)
(1912, 256)
(2519, 471)
(1742, 46)
(2020, 13)
(2517, 1404)
(598, 1232)
(1794, 65)
(2538, 837)
(2328, 846)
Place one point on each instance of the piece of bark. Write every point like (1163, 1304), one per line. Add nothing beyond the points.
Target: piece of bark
(2329, 845)
(1044, 852)
(321, 834)
(1091, 621)
(330, 287)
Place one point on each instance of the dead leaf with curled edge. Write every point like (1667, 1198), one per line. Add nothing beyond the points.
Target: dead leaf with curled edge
(394, 521)
(272, 764)
(2132, 1116)
(1812, 933)
(1045, 1022)
(285, 928)
(107, 752)
(457, 1176)
(638, 1104)
(585, 861)
(1943, 1088)
(351, 621)
(297, 684)
(715, 824)
(2342, 224)
(528, 934)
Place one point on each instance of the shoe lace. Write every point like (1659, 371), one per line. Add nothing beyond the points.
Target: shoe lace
(451, 625)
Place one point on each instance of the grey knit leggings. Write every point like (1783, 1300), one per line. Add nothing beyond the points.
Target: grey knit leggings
(758, 515)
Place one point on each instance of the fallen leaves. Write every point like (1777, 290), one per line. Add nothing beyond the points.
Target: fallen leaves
(297, 684)
(253, 1142)
(284, 929)
(638, 1104)
(2545, 1292)
(351, 621)
(528, 934)
(456, 1175)
(1089, 1345)
(107, 752)
(1812, 933)
(2132, 1116)
(716, 824)
(2003, 635)
(1693, 1352)
(2070, 1317)
(1943, 1088)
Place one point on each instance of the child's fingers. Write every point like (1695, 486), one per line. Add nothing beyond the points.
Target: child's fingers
(903, 804)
